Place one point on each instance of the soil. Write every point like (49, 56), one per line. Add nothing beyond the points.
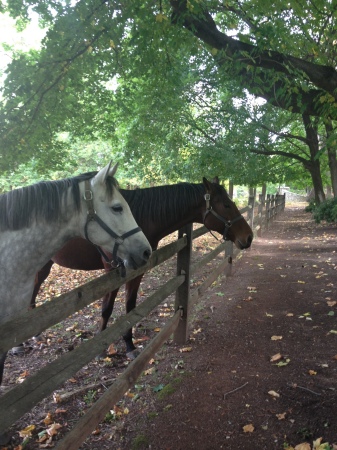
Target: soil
(258, 372)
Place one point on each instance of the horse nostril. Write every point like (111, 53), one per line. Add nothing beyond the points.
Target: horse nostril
(147, 254)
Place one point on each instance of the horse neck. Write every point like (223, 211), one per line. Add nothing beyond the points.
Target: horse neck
(180, 210)
(48, 237)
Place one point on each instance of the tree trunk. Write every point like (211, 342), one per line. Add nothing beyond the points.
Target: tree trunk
(331, 158)
(314, 165)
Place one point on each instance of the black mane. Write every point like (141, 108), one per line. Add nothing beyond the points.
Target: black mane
(42, 201)
(163, 202)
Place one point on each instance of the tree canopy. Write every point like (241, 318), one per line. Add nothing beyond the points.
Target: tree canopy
(166, 83)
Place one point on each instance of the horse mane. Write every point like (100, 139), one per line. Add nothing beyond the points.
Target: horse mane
(163, 202)
(42, 201)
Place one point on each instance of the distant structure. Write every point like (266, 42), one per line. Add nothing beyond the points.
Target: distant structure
(292, 196)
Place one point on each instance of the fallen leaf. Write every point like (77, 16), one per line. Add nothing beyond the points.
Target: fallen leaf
(24, 374)
(248, 428)
(248, 299)
(283, 363)
(331, 302)
(111, 350)
(303, 446)
(276, 357)
(281, 416)
(129, 394)
(325, 446)
(276, 338)
(312, 372)
(274, 394)
(53, 429)
(149, 371)
(301, 282)
(157, 329)
(27, 431)
(61, 411)
(158, 388)
(57, 398)
(185, 349)
(48, 419)
(290, 315)
(196, 331)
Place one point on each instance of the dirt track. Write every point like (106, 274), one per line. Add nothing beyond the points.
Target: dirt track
(280, 303)
(284, 288)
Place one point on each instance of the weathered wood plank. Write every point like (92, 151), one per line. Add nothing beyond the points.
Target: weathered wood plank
(23, 397)
(208, 258)
(35, 321)
(199, 291)
(97, 412)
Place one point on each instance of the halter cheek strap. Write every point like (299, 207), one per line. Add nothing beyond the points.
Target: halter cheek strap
(228, 223)
(93, 217)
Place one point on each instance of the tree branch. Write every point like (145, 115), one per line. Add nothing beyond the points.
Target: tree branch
(304, 161)
(249, 56)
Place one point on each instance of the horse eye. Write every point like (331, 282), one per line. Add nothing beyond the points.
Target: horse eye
(117, 208)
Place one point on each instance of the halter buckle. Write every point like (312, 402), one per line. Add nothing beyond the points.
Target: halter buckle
(88, 195)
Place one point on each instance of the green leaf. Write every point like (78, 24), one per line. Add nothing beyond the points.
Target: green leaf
(158, 388)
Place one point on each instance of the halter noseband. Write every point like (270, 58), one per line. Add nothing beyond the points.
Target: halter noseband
(228, 223)
(92, 216)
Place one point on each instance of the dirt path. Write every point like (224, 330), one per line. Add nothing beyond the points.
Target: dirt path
(280, 301)
(221, 390)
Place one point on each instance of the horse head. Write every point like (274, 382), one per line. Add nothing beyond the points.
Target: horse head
(222, 215)
(109, 216)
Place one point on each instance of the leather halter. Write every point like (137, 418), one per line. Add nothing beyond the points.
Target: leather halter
(228, 223)
(92, 216)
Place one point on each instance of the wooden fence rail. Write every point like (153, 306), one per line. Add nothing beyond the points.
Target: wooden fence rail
(23, 397)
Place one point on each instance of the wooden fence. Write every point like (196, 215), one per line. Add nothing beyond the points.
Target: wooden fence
(19, 400)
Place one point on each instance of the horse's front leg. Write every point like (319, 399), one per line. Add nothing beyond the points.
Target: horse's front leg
(108, 302)
(40, 277)
(131, 291)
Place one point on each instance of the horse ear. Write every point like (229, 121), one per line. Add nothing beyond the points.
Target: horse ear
(207, 184)
(216, 180)
(104, 173)
(113, 170)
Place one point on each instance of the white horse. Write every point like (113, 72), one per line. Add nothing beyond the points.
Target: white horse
(36, 221)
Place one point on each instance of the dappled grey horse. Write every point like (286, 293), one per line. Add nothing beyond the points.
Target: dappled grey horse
(36, 221)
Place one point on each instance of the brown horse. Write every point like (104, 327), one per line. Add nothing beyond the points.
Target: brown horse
(159, 211)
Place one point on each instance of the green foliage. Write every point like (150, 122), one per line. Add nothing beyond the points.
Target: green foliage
(167, 104)
(139, 442)
(312, 206)
(326, 210)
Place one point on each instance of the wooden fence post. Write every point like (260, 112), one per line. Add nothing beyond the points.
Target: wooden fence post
(267, 211)
(183, 291)
(272, 208)
(260, 215)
